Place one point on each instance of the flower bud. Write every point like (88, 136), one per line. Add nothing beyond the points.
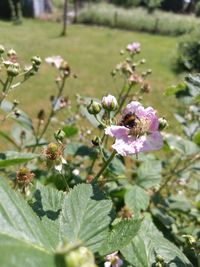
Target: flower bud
(162, 124)
(11, 53)
(96, 141)
(59, 135)
(109, 103)
(2, 50)
(80, 257)
(36, 60)
(41, 115)
(12, 70)
(94, 107)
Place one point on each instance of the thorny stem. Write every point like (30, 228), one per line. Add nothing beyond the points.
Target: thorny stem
(106, 164)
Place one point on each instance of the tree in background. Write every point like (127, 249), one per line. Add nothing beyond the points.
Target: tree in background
(16, 10)
(65, 10)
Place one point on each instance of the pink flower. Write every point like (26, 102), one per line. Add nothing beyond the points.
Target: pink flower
(113, 260)
(137, 132)
(55, 61)
(134, 47)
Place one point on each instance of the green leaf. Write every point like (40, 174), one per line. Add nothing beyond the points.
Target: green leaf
(10, 158)
(78, 149)
(149, 173)
(196, 138)
(70, 130)
(172, 90)
(47, 205)
(85, 219)
(180, 144)
(8, 138)
(121, 235)
(22, 119)
(136, 199)
(148, 243)
(23, 239)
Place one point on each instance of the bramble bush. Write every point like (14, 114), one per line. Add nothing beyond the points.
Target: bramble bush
(96, 195)
(188, 53)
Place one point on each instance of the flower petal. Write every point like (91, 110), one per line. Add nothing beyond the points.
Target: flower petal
(117, 131)
(107, 264)
(152, 142)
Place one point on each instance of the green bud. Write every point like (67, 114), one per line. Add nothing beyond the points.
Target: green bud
(114, 72)
(80, 257)
(11, 52)
(12, 71)
(162, 124)
(36, 60)
(2, 50)
(59, 135)
(94, 107)
(159, 258)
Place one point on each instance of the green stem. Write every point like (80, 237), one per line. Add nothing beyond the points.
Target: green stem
(106, 164)
(38, 138)
(123, 100)
(6, 88)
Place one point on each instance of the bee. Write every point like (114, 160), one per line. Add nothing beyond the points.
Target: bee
(130, 120)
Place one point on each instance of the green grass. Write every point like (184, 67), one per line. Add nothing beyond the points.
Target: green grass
(92, 53)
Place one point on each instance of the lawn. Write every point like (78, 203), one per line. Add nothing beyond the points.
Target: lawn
(92, 53)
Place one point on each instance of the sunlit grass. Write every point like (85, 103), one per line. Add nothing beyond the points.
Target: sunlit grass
(92, 53)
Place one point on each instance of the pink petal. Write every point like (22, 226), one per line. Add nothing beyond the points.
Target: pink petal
(117, 131)
(152, 142)
(107, 264)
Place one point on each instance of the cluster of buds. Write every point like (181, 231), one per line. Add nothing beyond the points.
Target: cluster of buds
(128, 68)
(11, 65)
(24, 176)
(108, 103)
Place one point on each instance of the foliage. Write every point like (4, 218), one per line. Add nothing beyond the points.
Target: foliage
(188, 52)
(138, 19)
(77, 200)
(197, 9)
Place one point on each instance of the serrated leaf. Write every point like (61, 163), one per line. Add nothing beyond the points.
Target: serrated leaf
(136, 199)
(148, 243)
(149, 173)
(23, 238)
(85, 219)
(10, 158)
(121, 235)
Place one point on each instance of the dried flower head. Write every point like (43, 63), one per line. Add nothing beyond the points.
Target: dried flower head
(53, 151)
(24, 176)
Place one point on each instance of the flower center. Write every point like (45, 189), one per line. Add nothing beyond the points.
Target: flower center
(137, 126)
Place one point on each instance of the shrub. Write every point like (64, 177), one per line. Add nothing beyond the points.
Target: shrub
(197, 9)
(188, 57)
(138, 19)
